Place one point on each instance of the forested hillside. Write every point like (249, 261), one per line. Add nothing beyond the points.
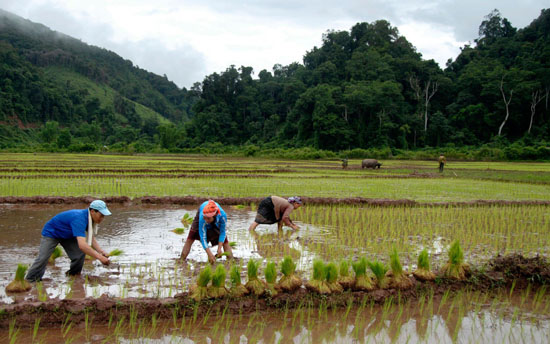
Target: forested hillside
(363, 88)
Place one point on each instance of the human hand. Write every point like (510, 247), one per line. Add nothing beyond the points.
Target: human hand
(104, 260)
(211, 257)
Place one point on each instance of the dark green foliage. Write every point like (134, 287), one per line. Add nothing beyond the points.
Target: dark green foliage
(360, 89)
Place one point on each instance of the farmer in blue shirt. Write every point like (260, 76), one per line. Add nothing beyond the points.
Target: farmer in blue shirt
(69, 230)
(208, 226)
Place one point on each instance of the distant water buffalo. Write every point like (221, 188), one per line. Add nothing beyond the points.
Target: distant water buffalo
(370, 163)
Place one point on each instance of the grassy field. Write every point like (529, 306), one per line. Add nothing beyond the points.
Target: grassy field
(135, 176)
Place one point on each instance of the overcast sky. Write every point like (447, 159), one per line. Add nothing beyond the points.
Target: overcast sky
(190, 39)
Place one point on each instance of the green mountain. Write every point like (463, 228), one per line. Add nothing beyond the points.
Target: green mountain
(363, 88)
(46, 76)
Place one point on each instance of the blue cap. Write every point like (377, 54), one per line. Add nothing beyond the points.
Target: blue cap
(100, 206)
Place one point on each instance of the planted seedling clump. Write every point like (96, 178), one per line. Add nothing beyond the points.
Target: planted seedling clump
(379, 270)
(217, 289)
(254, 285)
(199, 290)
(237, 289)
(19, 284)
(362, 281)
(290, 281)
(318, 282)
(271, 278)
(345, 280)
(55, 254)
(397, 278)
(331, 272)
(423, 272)
(455, 267)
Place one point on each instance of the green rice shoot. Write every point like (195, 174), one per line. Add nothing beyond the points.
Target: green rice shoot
(235, 275)
(318, 270)
(271, 272)
(331, 272)
(20, 272)
(424, 260)
(204, 276)
(360, 267)
(344, 268)
(252, 269)
(288, 266)
(218, 277)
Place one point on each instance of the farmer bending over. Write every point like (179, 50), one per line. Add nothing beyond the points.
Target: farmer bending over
(208, 226)
(275, 209)
(69, 230)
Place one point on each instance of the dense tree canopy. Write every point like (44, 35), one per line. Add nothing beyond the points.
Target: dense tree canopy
(362, 88)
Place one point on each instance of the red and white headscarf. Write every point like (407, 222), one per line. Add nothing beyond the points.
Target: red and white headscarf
(210, 209)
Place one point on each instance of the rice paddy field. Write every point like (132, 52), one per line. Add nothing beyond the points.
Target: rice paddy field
(404, 208)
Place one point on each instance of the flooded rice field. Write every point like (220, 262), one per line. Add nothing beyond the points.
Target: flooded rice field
(149, 268)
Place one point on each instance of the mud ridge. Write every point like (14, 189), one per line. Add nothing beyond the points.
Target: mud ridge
(195, 200)
(502, 271)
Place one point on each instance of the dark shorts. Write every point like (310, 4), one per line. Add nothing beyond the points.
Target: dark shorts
(212, 234)
(266, 212)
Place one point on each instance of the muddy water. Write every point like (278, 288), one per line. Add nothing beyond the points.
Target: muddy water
(471, 317)
(149, 264)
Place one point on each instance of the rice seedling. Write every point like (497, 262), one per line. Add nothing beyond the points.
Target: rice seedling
(379, 270)
(397, 278)
(290, 281)
(199, 291)
(318, 282)
(55, 254)
(115, 252)
(254, 285)
(345, 280)
(362, 281)
(331, 272)
(19, 284)
(423, 272)
(217, 289)
(270, 273)
(187, 219)
(455, 267)
(178, 230)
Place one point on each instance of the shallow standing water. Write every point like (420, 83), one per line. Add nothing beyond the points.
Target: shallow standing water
(149, 264)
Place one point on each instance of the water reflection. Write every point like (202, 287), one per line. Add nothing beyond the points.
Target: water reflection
(149, 264)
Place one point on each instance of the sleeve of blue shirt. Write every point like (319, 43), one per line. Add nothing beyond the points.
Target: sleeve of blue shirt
(222, 219)
(202, 227)
(79, 225)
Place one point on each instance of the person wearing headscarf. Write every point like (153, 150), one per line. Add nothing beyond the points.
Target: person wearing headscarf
(275, 209)
(208, 227)
(68, 229)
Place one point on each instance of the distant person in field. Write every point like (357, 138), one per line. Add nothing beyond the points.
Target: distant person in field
(275, 209)
(442, 161)
(208, 227)
(68, 229)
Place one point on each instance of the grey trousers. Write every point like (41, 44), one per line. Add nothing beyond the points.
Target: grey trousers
(47, 245)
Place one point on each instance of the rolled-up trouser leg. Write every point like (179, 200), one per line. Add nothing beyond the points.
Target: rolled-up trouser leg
(47, 245)
(75, 254)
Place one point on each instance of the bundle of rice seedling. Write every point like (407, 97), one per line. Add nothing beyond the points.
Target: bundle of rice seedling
(455, 267)
(423, 272)
(362, 281)
(115, 252)
(237, 289)
(379, 270)
(254, 285)
(19, 284)
(187, 219)
(55, 254)
(271, 278)
(345, 280)
(217, 288)
(331, 272)
(318, 282)
(199, 290)
(290, 281)
(397, 278)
